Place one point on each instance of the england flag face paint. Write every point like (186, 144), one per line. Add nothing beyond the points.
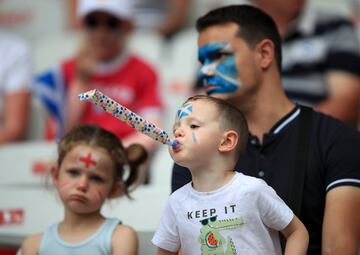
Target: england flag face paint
(88, 160)
(218, 73)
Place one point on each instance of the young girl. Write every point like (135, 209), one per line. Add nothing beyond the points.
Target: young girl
(91, 166)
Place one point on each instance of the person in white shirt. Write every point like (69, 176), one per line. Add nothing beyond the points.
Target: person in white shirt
(15, 80)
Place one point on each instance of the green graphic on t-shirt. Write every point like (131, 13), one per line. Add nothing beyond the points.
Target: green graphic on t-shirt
(210, 239)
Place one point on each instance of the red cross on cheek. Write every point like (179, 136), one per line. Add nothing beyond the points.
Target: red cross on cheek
(88, 160)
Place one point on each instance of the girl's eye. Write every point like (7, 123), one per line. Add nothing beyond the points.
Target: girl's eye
(73, 172)
(96, 178)
(193, 126)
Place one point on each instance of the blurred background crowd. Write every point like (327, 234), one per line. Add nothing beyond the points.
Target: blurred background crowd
(145, 57)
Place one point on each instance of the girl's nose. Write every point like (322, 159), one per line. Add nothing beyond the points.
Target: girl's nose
(83, 184)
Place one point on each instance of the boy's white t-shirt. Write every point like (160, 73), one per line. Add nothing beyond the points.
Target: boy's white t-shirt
(242, 217)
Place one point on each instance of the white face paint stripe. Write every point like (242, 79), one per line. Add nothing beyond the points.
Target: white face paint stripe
(227, 78)
(209, 69)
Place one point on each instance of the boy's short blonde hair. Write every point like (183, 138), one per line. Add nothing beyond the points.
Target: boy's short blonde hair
(230, 118)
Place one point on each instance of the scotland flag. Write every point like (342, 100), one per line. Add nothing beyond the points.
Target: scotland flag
(50, 89)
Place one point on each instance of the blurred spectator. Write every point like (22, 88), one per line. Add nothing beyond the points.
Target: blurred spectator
(321, 57)
(15, 78)
(201, 7)
(102, 62)
(166, 17)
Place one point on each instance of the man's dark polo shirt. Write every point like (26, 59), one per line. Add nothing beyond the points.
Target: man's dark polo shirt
(334, 160)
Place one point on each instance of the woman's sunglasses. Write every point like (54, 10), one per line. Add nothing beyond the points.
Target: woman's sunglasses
(110, 22)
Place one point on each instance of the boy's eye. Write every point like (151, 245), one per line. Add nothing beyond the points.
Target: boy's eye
(193, 126)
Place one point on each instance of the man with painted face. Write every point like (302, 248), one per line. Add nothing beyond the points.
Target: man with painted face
(310, 159)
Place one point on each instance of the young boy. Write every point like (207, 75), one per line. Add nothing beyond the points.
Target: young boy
(222, 211)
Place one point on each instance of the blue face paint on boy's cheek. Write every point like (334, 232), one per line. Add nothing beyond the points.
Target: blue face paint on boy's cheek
(194, 138)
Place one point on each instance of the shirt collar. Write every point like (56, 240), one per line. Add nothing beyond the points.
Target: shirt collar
(280, 125)
(283, 122)
(109, 67)
(286, 120)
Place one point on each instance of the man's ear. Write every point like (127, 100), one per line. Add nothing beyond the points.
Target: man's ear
(229, 141)
(266, 53)
(117, 189)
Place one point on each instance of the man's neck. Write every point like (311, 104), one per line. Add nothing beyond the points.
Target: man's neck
(265, 109)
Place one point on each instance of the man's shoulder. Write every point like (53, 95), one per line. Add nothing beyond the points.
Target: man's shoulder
(326, 122)
(336, 19)
(326, 130)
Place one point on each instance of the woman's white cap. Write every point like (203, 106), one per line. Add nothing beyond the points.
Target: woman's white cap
(121, 9)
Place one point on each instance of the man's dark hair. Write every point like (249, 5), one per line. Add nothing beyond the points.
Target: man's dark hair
(254, 25)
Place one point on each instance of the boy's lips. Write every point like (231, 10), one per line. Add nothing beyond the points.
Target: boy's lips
(176, 146)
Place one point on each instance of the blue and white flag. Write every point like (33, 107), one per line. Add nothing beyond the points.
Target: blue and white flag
(50, 89)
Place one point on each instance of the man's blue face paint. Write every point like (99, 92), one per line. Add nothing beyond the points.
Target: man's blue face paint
(217, 70)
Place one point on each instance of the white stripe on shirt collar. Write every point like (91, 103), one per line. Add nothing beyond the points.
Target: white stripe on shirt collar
(342, 181)
(287, 121)
(113, 65)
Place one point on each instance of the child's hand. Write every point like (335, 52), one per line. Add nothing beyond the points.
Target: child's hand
(297, 237)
